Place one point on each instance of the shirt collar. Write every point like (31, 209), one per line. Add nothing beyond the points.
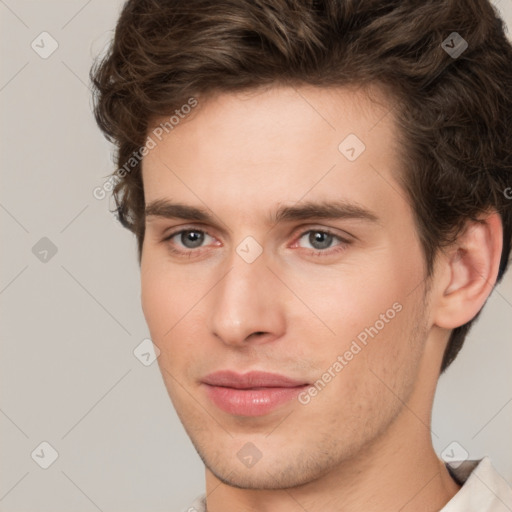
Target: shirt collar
(483, 488)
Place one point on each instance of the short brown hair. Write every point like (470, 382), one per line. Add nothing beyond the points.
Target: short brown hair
(454, 111)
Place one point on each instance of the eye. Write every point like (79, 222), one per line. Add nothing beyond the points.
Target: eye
(188, 239)
(320, 240)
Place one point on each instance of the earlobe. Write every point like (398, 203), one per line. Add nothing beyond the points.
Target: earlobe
(469, 271)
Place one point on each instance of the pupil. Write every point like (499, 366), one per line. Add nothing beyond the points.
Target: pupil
(191, 239)
(320, 240)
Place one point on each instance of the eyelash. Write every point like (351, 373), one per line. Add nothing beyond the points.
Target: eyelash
(313, 252)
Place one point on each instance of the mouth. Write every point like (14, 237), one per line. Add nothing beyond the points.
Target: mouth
(250, 394)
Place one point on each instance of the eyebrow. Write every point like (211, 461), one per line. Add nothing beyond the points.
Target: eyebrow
(306, 210)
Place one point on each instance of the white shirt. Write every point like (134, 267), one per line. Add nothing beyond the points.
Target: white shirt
(483, 489)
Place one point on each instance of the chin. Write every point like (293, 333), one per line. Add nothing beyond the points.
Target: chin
(269, 474)
(260, 480)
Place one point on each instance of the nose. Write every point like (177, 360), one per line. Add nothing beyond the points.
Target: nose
(246, 305)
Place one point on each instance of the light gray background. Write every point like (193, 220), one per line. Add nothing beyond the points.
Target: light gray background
(69, 325)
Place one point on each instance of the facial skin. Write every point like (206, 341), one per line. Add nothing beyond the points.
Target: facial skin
(364, 441)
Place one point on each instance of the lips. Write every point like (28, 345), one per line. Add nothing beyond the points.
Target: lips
(230, 379)
(250, 394)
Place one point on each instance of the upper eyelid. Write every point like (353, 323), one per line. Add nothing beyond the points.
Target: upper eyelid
(321, 230)
(179, 229)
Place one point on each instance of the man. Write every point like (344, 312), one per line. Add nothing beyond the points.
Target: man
(319, 194)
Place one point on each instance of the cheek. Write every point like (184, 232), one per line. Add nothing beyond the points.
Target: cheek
(156, 299)
(170, 299)
(367, 312)
(376, 376)
(349, 300)
(167, 294)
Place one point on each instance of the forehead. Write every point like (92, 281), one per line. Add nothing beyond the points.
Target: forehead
(258, 148)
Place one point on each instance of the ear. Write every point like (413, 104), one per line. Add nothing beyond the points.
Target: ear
(467, 272)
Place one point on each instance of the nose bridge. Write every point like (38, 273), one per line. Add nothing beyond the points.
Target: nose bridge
(245, 300)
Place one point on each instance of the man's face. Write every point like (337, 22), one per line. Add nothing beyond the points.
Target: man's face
(333, 300)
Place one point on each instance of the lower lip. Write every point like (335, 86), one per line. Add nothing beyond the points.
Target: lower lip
(251, 402)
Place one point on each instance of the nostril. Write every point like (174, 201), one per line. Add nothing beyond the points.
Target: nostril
(257, 334)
